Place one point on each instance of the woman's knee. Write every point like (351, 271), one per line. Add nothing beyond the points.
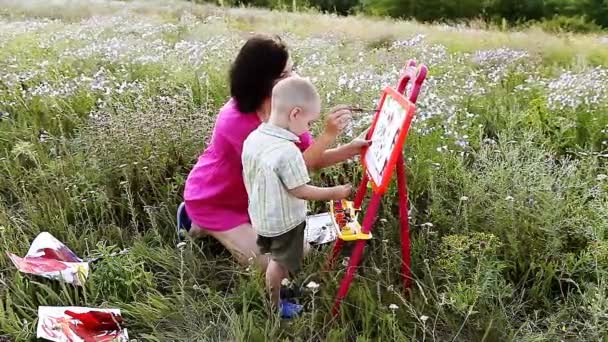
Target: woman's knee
(197, 232)
(240, 241)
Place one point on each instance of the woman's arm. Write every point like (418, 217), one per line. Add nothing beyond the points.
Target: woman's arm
(319, 155)
(336, 155)
(315, 154)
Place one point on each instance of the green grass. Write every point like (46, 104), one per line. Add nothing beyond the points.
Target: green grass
(506, 169)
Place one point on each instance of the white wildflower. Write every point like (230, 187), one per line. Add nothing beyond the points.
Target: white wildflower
(464, 198)
(181, 245)
(43, 136)
(345, 261)
(313, 286)
(393, 307)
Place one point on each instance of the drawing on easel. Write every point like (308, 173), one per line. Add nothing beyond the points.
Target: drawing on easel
(388, 134)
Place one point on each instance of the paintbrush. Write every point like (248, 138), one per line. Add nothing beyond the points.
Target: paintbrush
(362, 110)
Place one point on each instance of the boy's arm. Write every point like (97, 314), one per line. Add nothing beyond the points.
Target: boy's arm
(315, 193)
(294, 176)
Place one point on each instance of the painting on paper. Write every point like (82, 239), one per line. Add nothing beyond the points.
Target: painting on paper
(80, 324)
(319, 229)
(50, 258)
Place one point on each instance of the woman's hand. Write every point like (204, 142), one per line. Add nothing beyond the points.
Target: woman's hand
(337, 119)
(359, 143)
(319, 156)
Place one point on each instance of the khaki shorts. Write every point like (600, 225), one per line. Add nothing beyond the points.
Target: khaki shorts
(286, 249)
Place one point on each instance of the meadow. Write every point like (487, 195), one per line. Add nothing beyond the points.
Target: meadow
(105, 106)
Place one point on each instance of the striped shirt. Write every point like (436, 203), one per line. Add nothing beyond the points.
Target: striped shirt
(273, 165)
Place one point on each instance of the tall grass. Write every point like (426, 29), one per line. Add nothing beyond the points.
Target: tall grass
(105, 106)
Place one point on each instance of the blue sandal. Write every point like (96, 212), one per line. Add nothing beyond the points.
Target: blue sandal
(183, 222)
(289, 310)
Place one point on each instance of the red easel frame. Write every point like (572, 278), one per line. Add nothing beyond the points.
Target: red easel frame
(409, 72)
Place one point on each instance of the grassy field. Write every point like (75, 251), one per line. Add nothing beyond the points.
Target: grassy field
(105, 106)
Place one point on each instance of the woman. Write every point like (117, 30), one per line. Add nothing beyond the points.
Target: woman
(215, 195)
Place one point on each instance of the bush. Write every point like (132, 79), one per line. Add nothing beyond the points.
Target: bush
(560, 23)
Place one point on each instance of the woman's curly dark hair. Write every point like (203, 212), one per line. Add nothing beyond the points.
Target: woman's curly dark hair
(253, 73)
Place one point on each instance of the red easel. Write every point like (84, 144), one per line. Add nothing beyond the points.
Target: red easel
(410, 72)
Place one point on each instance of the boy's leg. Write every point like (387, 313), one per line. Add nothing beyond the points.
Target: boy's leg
(306, 248)
(287, 251)
(286, 257)
(275, 273)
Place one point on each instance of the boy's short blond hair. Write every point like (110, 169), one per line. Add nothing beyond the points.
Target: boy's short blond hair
(295, 91)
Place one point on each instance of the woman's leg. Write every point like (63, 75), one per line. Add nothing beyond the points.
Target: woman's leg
(241, 242)
(197, 232)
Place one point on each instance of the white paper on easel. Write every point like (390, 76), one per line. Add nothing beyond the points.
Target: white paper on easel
(384, 137)
(319, 229)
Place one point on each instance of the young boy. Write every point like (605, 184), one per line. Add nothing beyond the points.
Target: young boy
(276, 179)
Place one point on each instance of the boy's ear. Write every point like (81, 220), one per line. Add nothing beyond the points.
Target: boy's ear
(295, 111)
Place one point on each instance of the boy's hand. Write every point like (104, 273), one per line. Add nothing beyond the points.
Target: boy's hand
(337, 119)
(342, 191)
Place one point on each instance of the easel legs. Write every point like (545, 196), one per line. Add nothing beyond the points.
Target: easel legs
(368, 222)
(355, 258)
(404, 221)
(418, 76)
(334, 254)
(361, 192)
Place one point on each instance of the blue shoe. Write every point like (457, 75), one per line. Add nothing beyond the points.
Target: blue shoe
(289, 310)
